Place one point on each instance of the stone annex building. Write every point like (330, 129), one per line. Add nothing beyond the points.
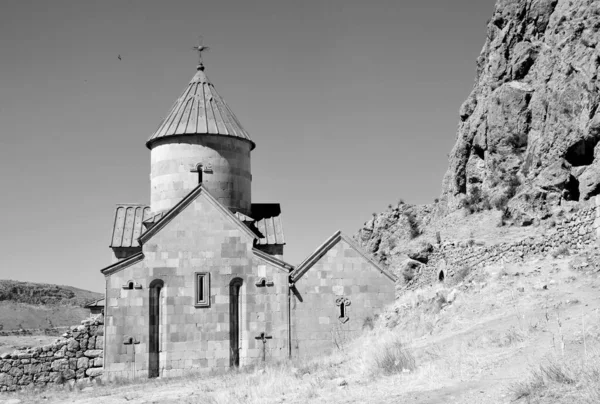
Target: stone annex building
(199, 281)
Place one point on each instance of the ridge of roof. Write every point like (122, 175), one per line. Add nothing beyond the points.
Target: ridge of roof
(124, 263)
(183, 204)
(273, 261)
(313, 258)
(366, 256)
(200, 110)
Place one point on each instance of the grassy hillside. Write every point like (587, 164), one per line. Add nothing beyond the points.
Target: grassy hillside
(27, 305)
(44, 293)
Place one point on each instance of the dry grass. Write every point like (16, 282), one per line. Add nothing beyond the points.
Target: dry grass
(563, 250)
(384, 352)
(461, 274)
(576, 380)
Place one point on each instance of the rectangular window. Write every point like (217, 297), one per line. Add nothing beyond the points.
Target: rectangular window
(202, 289)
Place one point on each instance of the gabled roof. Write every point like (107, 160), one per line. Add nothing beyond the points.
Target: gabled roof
(269, 223)
(273, 261)
(184, 203)
(95, 303)
(124, 263)
(266, 222)
(328, 245)
(127, 225)
(200, 110)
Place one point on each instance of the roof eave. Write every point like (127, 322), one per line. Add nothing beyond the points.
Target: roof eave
(127, 262)
(150, 142)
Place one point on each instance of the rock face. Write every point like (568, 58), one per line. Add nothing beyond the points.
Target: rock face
(528, 137)
(391, 236)
(529, 131)
(575, 232)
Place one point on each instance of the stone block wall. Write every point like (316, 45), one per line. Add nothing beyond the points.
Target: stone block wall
(342, 275)
(77, 356)
(576, 231)
(226, 164)
(193, 337)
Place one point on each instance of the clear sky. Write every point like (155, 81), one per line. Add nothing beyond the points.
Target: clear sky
(352, 104)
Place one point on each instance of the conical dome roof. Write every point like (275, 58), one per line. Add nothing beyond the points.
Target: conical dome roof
(200, 110)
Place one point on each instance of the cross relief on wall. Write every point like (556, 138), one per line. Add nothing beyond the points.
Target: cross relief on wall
(207, 168)
(343, 303)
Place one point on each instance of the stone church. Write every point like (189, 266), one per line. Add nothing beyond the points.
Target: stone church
(199, 280)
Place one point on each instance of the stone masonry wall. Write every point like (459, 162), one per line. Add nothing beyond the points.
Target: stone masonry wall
(201, 239)
(77, 356)
(341, 275)
(576, 232)
(226, 164)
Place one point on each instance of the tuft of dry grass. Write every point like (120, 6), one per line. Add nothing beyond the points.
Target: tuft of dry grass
(528, 388)
(562, 250)
(387, 354)
(461, 274)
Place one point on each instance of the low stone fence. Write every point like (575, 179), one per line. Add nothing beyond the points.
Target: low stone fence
(77, 355)
(576, 232)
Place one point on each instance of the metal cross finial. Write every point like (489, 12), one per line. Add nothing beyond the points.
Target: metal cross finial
(200, 48)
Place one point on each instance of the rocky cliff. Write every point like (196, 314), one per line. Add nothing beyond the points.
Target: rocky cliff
(529, 131)
(528, 136)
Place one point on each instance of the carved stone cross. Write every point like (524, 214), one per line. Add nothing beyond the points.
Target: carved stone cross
(342, 303)
(264, 337)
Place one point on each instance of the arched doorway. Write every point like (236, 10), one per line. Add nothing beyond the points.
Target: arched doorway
(154, 328)
(234, 321)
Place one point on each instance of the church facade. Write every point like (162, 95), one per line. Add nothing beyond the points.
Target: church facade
(198, 280)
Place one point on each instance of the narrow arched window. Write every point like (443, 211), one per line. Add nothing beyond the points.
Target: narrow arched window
(155, 312)
(235, 321)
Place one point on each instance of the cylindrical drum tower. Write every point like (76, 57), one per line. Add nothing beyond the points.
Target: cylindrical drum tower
(200, 141)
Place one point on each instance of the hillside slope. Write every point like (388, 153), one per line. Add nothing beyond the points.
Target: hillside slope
(44, 293)
(27, 305)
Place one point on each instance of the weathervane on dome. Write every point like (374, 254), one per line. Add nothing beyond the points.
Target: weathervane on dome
(200, 48)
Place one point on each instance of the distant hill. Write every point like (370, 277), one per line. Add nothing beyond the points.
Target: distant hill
(28, 305)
